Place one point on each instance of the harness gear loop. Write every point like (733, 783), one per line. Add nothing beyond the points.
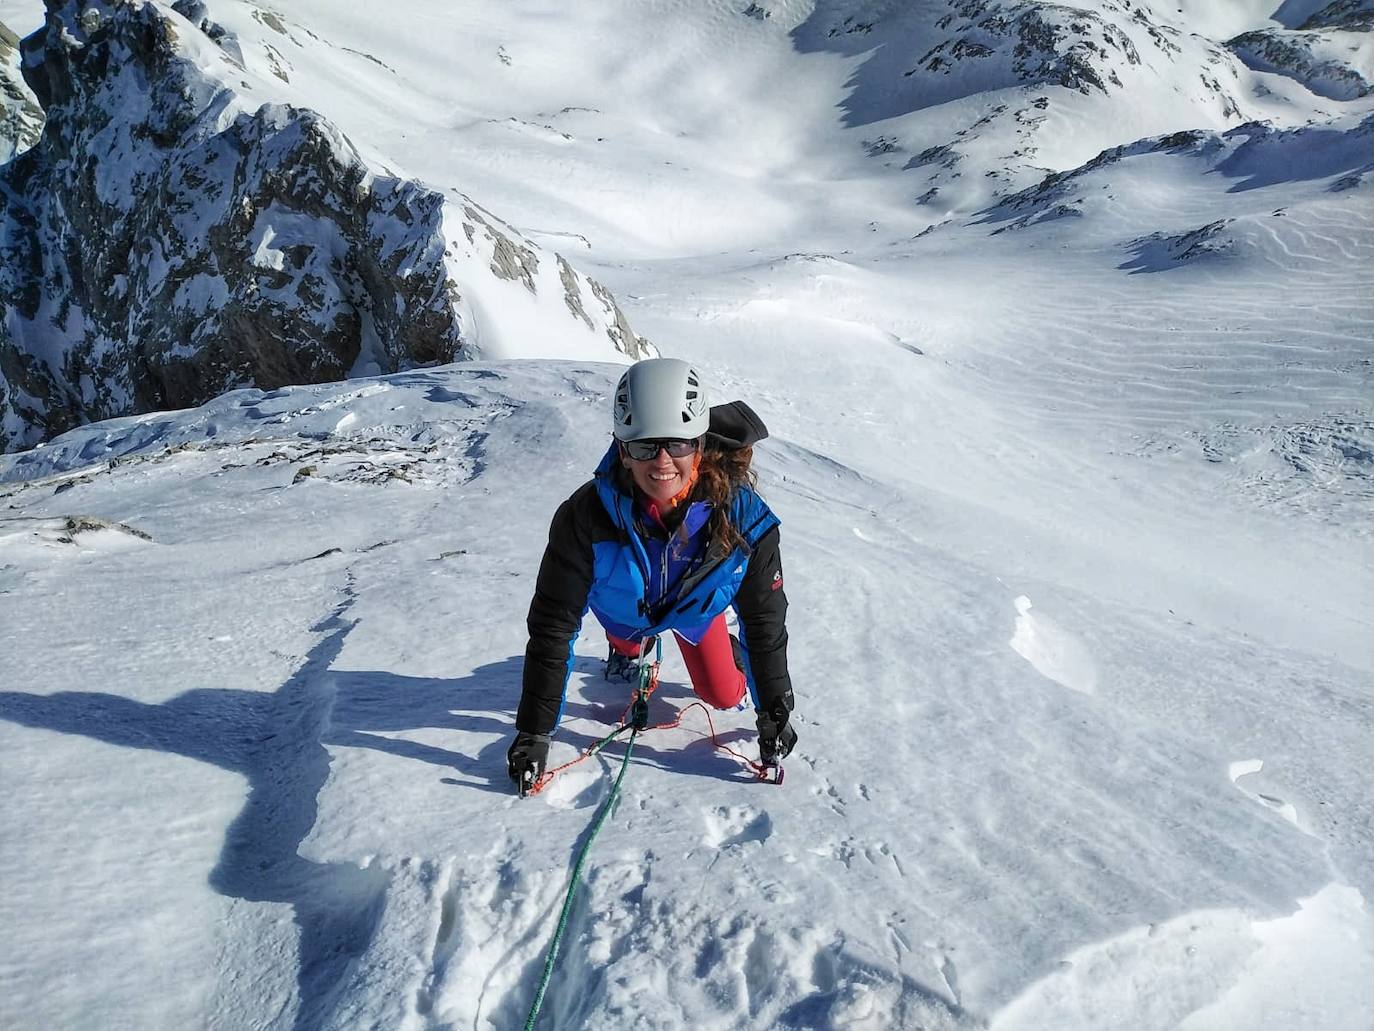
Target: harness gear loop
(648, 682)
(639, 711)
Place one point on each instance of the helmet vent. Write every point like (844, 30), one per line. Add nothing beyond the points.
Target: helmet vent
(650, 391)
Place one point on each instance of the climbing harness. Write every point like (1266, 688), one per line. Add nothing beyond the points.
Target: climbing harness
(635, 720)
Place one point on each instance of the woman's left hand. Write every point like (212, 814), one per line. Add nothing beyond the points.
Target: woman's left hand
(776, 736)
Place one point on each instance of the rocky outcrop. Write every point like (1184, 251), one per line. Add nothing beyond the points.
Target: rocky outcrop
(167, 241)
(1332, 60)
(1254, 154)
(975, 96)
(1046, 44)
(21, 119)
(1158, 252)
(198, 15)
(929, 54)
(1058, 190)
(1043, 44)
(1350, 15)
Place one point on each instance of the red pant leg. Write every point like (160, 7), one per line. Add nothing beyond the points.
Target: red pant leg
(630, 649)
(711, 664)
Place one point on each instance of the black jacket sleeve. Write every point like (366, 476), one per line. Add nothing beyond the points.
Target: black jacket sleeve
(555, 616)
(762, 606)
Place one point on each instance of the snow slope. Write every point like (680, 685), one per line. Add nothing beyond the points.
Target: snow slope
(280, 723)
(1076, 476)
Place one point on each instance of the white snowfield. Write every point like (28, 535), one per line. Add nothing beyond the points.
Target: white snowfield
(1077, 494)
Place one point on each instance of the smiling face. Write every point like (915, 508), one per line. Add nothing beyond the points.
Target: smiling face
(662, 477)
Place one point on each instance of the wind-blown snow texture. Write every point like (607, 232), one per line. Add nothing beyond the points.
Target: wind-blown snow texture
(1075, 462)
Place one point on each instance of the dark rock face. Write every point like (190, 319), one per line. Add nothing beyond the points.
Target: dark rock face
(164, 243)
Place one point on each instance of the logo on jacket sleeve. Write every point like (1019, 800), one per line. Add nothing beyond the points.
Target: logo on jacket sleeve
(777, 580)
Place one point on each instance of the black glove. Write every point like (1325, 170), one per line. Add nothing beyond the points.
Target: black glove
(776, 736)
(526, 759)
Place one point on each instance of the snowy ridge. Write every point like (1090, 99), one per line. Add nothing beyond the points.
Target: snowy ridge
(1339, 155)
(1330, 54)
(1008, 90)
(1339, 65)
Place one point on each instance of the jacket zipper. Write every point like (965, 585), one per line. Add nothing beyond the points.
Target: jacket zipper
(690, 582)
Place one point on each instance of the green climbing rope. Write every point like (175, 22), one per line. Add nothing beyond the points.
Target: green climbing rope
(639, 719)
(572, 887)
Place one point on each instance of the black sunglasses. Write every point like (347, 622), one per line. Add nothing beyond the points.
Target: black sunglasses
(647, 450)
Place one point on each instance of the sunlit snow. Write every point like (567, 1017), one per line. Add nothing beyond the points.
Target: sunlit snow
(1076, 482)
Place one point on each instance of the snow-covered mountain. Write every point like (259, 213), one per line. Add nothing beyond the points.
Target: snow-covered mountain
(1043, 86)
(1075, 464)
(172, 237)
(1331, 53)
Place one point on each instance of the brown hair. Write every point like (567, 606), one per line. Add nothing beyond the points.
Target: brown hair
(720, 474)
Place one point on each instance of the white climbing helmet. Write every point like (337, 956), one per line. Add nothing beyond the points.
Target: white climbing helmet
(658, 398)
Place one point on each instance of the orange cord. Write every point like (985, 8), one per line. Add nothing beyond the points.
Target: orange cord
(760, 770)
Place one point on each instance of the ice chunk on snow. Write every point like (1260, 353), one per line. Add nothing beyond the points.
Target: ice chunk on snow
(1052, 650)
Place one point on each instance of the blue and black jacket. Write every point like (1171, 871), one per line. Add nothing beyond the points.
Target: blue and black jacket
(604, 554)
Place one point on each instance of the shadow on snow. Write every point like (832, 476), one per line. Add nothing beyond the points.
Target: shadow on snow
(277, 741)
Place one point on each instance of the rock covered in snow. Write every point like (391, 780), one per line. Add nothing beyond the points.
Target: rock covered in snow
(1350, 15)
(198, 15)
(1331, 53)
(1059, 189)
(21, 119)
(1040, 44)
(1253, 155)
(939, 52)
(165, 242)
(977, 93)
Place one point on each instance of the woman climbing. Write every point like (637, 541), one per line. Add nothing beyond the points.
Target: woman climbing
(667, 535)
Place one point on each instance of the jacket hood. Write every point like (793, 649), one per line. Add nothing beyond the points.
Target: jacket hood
(735, 426)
